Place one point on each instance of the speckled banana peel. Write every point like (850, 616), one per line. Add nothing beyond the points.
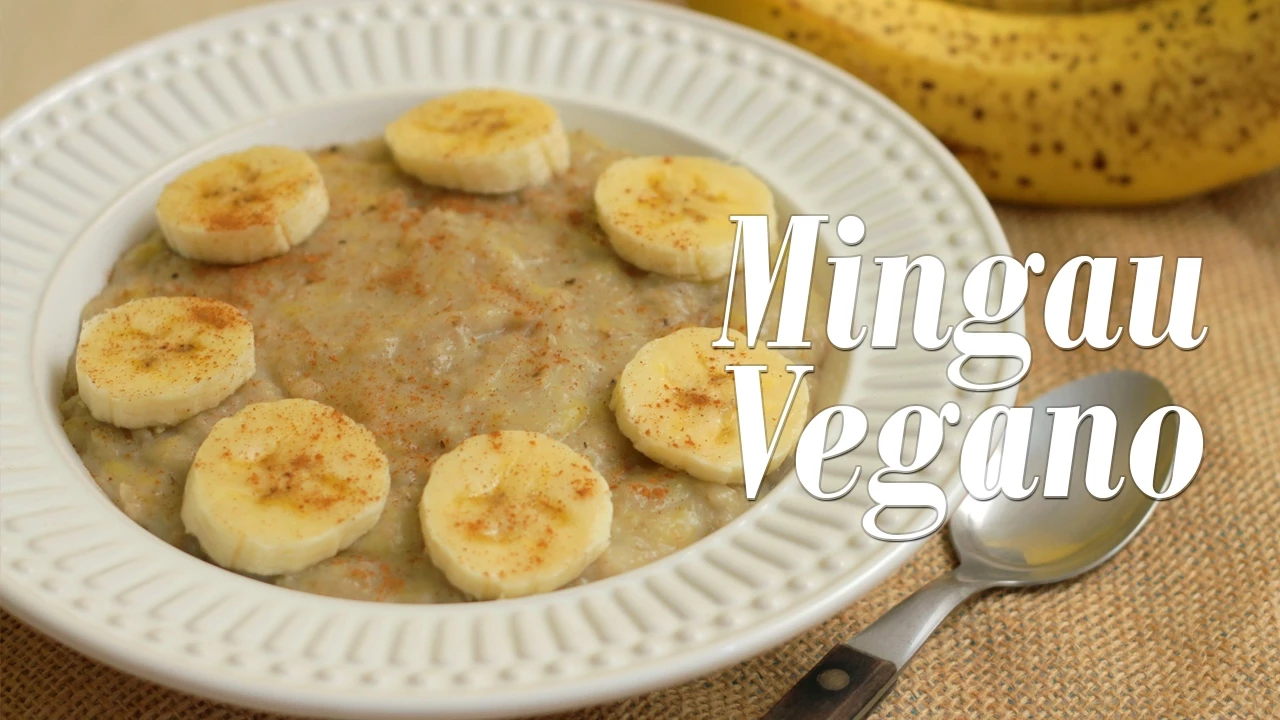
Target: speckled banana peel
(1051, 6)
(1127, 106)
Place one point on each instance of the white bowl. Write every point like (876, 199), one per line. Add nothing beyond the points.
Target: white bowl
(81, 166)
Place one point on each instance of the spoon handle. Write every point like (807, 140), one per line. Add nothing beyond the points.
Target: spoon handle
(854, 676)
(844, 685)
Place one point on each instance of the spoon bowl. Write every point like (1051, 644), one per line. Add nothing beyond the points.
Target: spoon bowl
(1042, 539)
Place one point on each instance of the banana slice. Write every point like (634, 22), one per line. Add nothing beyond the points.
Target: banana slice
(280, 486)
(670, 215)
(243, 207)
(159, 361)
(677, 405)
(514, 513)
(480, 141)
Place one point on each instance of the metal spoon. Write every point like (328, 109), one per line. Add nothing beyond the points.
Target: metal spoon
(1001, 543)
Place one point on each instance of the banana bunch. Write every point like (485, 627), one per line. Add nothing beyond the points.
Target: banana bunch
(1123, 106)
(1051, 6)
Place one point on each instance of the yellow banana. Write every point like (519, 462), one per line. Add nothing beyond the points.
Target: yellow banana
(1127, 106)
(1051, 6)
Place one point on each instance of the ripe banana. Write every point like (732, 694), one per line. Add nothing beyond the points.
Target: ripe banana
(243, 207)
(676, 403)
(1132, 105)
(158, 361)
(670, 215)
(282, 485)
(1051, 6)
(514, 513)
(480, 141)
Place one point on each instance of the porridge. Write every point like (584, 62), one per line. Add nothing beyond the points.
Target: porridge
(427, 316)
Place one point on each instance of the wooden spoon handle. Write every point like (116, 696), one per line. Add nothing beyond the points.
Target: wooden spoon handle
(844, 685)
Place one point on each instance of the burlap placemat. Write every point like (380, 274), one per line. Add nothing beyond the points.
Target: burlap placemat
(1184, 623)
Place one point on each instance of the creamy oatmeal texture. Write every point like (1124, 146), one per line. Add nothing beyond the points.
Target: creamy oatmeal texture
(429, 317)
